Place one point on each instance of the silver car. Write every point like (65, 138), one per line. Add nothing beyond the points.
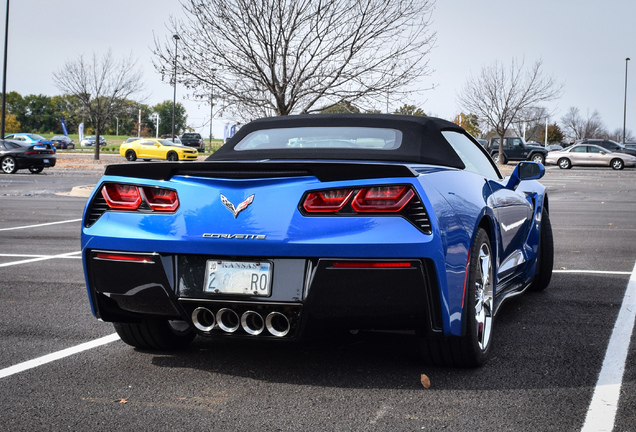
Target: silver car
(589, 155)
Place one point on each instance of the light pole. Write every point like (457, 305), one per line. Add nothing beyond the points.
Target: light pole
(625, 101)
(157, 130)
(117, 127)
(4, 75)
(174, 102)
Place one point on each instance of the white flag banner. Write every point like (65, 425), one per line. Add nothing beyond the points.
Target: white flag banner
(80, 131)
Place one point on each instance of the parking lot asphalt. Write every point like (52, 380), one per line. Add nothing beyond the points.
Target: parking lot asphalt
(549, 347)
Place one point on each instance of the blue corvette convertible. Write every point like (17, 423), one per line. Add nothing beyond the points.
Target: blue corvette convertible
(303, 223)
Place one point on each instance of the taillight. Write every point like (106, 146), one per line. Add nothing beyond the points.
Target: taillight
(371, 264)
(124, 257)
(160, 199)
(329, 201)
(382, 199)
(376, 199)
(131, 197)
(122, 196)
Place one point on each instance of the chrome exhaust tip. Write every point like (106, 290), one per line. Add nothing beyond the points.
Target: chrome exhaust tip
(203, 319)
(228, 320)
(252, 322)
(277, 324)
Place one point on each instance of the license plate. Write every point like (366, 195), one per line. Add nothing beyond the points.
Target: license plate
(46, 161)
(238, 277)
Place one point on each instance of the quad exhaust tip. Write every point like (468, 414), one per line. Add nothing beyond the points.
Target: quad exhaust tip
(228, 320)
(203, 319)
(277, 324)
(253, 323)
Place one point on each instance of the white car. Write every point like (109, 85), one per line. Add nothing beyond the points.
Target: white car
(89, 141)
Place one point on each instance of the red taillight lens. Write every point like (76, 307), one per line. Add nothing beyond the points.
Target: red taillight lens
(329, 201)
(161, 199)
(371, 265)
(382, 199)
(131, 197)
(122, 196)
(124, 257)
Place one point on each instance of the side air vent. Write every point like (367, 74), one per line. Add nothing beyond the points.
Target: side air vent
(96, 209)
(417, 215)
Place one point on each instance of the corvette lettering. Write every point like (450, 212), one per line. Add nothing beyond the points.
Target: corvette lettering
(235, 236)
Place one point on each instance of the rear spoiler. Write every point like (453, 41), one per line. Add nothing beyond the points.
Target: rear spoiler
(324, 171)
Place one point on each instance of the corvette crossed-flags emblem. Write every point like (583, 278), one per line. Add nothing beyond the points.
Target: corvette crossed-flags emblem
(236, 210)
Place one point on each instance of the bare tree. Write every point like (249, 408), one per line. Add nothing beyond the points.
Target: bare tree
(101, 85)
(265, 57)
(499, 94)
(577, 127)
(617, 135)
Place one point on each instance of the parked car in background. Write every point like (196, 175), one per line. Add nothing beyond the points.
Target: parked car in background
(16, 155)
(631, 146)
(610, 145)
(193, 140)
(554, 147)
(30, 138)
(63, 142)
(150, 148)
(516, 149)
(89, 141)
(589, 155)
(300, 224)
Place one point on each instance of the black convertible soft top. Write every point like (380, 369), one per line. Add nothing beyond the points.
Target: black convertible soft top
(422, 140)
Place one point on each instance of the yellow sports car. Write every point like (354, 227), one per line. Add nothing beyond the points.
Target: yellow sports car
(148, 148)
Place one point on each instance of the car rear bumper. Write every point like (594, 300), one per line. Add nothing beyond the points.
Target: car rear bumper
(306, 294)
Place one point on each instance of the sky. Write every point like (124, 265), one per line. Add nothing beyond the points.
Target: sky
(582, 44)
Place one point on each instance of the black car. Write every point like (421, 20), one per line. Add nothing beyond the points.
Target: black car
(609, 145)
(16, 155)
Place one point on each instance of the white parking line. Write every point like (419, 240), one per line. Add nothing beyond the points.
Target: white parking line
(601, 414)
(36, 256)
(21, 367)
(604, 272)
(41, 258)
(40, 225)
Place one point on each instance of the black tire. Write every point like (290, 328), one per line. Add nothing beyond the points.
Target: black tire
(172, 156)
(36, 170)
(156, 334)
(9, 166)
(545, 258)
(471, 349)
(538, 157)
(564, 163)
(617, 164)
(131, 156)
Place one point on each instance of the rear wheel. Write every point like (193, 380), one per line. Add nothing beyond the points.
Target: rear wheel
(131, 155)
(156, 334)
(172, 156)
(8, 165)
(35, 170)
(617, 164)
(545, 257)
(472, 348)
(564, 163)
